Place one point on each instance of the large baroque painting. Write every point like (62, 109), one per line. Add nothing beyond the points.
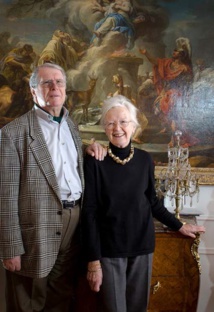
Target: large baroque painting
(159, 54)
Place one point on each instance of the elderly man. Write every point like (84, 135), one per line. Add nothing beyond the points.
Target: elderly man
(41, 186)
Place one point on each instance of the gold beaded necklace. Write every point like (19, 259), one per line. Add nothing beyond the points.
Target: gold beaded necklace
(117, 159)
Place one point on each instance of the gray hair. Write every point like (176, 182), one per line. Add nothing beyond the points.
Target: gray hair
(34, 79)
(119, 101)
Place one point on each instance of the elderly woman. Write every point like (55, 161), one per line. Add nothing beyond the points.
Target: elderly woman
(119, 205)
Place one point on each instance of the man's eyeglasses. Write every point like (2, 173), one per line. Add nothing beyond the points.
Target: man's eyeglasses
(49, 83)
(122, 123)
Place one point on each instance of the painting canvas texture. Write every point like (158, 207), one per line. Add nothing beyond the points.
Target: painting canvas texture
(159, 54)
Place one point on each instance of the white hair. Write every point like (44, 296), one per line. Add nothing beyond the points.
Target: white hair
(119, 101)
(34, 79)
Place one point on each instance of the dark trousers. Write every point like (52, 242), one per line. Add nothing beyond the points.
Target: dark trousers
(126, 284)
(55, 292)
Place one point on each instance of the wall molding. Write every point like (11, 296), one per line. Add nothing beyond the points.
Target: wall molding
(205, 217)
(206, 251)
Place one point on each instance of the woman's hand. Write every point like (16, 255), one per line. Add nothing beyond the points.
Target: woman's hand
(191, 230)
(95, 280)
(95, 275)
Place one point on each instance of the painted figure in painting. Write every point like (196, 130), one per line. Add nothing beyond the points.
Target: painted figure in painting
(15, 68)
(147, 94)
(6, 96)
(62, 49)
(173, 79)
(17, 64)
(117, 18)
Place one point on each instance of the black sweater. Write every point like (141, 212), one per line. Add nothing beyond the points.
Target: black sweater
(119, 205)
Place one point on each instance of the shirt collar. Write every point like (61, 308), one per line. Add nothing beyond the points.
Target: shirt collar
(48, 117)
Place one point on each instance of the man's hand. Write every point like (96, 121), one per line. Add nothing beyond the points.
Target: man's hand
(13, 264)
(191, 230)
(96, 150)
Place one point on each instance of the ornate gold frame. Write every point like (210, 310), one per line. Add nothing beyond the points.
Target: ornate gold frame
(206, 175)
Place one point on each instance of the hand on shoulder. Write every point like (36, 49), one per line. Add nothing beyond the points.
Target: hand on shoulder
(96, 150)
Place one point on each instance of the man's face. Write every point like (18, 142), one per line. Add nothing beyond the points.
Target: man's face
(50, 93)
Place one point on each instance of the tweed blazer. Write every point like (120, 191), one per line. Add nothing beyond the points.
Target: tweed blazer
(30, 222)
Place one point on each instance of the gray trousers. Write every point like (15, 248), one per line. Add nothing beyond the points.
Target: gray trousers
(126, 284)
(54, 292)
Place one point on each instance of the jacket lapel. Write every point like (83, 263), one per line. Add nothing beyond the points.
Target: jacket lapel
(41, 153)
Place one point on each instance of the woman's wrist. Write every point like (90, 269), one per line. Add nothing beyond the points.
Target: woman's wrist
(94, 266)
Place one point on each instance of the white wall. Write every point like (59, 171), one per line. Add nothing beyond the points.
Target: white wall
(206, 251)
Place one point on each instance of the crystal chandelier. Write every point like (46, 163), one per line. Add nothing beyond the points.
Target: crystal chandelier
(176, 181)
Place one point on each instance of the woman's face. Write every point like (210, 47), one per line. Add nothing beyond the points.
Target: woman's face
(118, 126)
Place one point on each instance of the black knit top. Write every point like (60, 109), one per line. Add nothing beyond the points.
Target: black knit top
(119, 205)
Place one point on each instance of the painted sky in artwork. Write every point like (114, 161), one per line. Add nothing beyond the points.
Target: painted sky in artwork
(190, 18)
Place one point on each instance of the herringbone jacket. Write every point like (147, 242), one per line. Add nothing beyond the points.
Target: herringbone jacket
(30, 221)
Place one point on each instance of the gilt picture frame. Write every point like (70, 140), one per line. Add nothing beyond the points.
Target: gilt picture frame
(159, 54)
